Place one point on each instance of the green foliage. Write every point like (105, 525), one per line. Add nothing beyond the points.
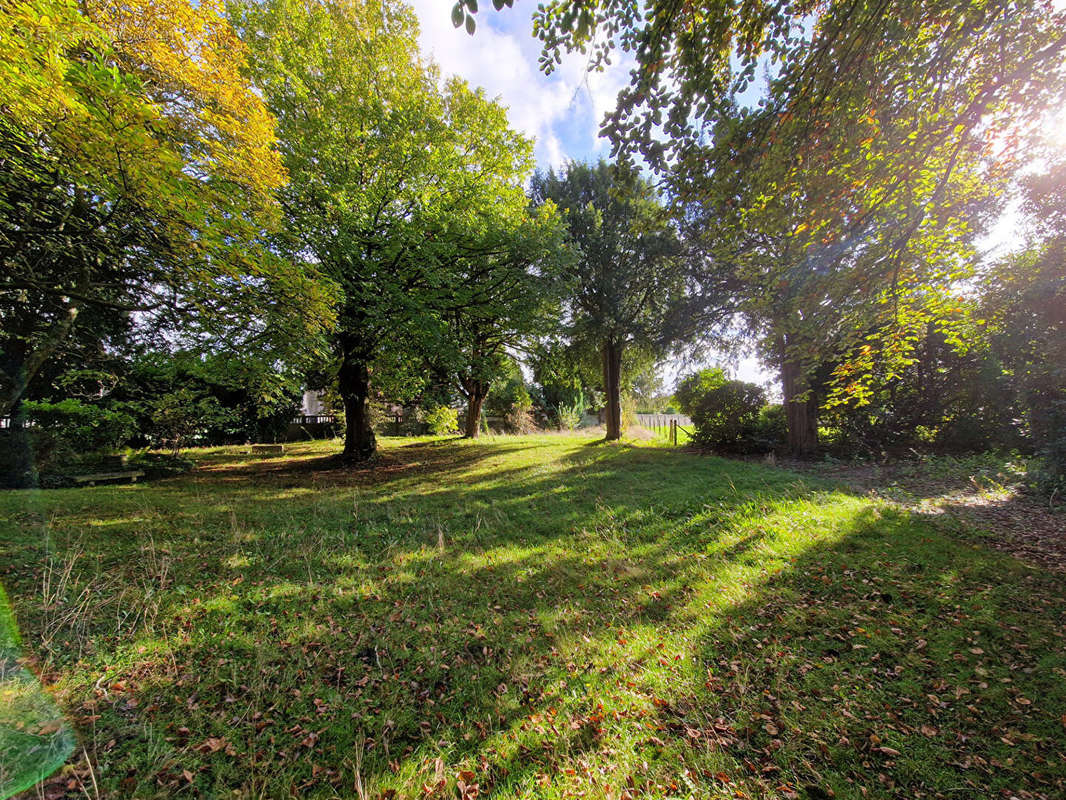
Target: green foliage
(1024, 305)
(944, 401)
(506, 292)
(509, 398)
(769, 433)
(628, 274)
(183, 416)
(571, 415)
(52, 437)
(564, 374)
(629, 288)
(646, 389)
(258, 399)
(442, 420)
(139, 171)
(402, 188)
(81, 427)
(508, 392)
(727, 413)
(842, 217)
(692, 388)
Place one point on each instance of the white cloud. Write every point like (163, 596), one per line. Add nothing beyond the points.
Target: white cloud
(562, 111)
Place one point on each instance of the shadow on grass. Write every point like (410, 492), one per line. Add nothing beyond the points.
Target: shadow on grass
(986, 493)
(541, 619)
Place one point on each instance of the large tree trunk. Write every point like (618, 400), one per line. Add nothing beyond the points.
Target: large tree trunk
(19, 367)
(612, 387)
(801, 408)
(18, 467)
(354, 385)
(476, 392)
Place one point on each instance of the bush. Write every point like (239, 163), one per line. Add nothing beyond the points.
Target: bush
(768, 434)
(182, 417)
(692, 389)
(250, 402)
(58, 435)
(520, 419)
(727, 415)
(569, 417)
(442, 421)
(571, 414)
(82, 427)
(505, 393)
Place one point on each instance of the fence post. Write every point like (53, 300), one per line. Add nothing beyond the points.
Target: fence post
(673, 431)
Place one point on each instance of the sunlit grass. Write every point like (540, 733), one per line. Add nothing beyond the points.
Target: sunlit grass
(539, 616)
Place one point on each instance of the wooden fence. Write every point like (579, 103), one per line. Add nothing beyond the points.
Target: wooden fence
(666, 425)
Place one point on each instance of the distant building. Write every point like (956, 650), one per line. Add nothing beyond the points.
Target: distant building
(311, 405)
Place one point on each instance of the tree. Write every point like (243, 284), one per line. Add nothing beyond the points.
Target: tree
(390, 174)
(508, 291)
(851, 210)
(136, 169)
(630, 279)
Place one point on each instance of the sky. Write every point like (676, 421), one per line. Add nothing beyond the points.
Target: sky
(561, 111)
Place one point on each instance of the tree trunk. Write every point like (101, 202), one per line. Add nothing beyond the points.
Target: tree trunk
(801, 409)
(18, 465)
(354, 385)
(17, 369)
(477, 391)
(612, 387)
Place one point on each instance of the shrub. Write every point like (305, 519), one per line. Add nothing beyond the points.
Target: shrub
(82, 427)
(180, 417)
(57, 436)
(571, 414)
(569, 417)
(693, 388)
(727, 414)
(442, 421)
(768, 434)
(506, 393)
(520, 419)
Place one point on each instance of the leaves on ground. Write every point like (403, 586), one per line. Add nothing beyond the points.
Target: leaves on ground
(534, 616)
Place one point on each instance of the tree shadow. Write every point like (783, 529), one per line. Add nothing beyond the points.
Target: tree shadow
(638, 617)
(982, 496)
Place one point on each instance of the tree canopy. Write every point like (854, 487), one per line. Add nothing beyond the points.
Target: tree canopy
(630, 277)
(396, 181)
(138, 172)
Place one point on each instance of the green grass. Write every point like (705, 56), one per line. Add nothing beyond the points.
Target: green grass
(539, 616)
(34, 738)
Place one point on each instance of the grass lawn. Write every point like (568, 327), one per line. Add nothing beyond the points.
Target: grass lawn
(531, 617)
